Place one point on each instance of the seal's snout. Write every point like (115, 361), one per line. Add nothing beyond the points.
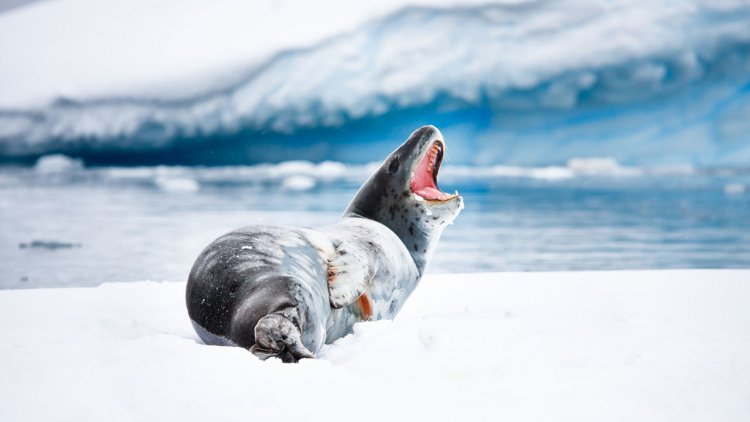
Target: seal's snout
(425, 132)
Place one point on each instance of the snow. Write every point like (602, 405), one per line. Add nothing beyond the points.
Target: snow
(583, 346)
(175, 50)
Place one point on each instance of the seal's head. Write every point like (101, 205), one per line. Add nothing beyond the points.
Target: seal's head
(404, 196)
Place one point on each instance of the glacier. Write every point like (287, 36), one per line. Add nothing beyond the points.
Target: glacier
(514, 82)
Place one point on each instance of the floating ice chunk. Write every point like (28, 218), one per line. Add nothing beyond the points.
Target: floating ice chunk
(331, 169)
(672, 169)
(549, 173)
(177, 184)
(600, 166)
(57, 163)
(298, 183)
(129, 173)
(734, 189)
(593, 165)
(294, 167)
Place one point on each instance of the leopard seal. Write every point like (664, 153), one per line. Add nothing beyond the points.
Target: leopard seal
(284, 291)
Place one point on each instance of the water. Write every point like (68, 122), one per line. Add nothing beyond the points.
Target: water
(64, 225)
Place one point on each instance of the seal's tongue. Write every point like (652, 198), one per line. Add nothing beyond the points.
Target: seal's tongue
(424, 181)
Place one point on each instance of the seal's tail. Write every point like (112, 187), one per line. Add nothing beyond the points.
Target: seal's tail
(276, 335)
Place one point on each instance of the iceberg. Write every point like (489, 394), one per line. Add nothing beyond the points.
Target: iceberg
(514, 82)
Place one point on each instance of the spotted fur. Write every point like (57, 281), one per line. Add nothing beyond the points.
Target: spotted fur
(282, 291)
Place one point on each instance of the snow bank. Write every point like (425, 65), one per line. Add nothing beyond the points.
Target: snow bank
(588, 346)
(178, 48)
(165, 57)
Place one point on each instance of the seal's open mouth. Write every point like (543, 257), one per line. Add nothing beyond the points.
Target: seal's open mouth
(424, 179)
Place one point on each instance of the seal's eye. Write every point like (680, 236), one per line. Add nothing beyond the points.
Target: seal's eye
(393, 166)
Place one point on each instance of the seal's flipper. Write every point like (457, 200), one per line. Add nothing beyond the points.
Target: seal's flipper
(277, 336)
(349, 275)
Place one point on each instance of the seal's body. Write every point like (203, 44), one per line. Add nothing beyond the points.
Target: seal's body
(286, 291)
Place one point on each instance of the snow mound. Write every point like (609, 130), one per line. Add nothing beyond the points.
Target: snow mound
(584, 346)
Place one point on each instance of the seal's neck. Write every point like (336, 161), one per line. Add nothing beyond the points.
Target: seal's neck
(418, 239)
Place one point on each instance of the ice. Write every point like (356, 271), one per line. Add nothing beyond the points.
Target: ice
(298, 183)
(640, 82)
(332, 169)
(177, 184)
(734, 189)
(583, 346)
(51, 245)
(600, 166)
(238, 36)
(57, 163)
(305, 175)
(575, 167)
